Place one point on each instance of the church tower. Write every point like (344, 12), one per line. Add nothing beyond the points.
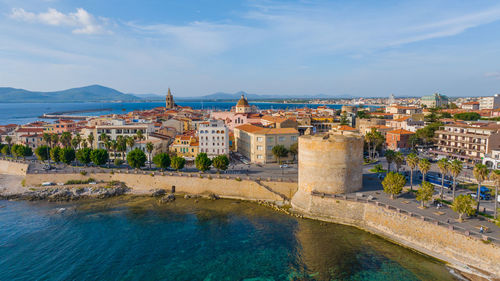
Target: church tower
(169, 100)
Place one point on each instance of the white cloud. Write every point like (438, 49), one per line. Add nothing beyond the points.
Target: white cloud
(81, 21)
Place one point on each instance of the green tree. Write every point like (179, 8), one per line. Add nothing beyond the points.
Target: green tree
(467, 116)
(162, 160)
(8, 139)
(374, 139)
(65, 139)
(220, 162)
(6, 150)
(393, 183)
(67, 155)
(76, 141)
(425, 192)
(399, 160)
(389, 157)
(99, 156)
(456, 167)
(118, 162)
(294, 150)
(42, 152)
(463, 205)
(136, 158)
(54, 154)
(83, 155)
(130, 142)
(149, 148)
(177, 163)
(343, 119)
(16, 150)
(412, 162)
(378, 168)
(54, 139)
(481, 173)
(139, 135)
(443, 165)
(495, 177)
(279, 151)
(21, 151)
(90, 139)
(202, 162)
(426, 134)
(424, 166)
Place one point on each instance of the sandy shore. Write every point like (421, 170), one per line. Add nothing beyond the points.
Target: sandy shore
(10, 184)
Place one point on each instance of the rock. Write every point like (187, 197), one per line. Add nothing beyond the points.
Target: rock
(213, 196)
(158, 192)
(167, 198)
(187, 196)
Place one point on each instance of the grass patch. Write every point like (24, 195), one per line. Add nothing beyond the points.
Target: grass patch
(373, 170)
(485, 215)
(83, 173)
(445, 202)
(23, 182)
(87, 181)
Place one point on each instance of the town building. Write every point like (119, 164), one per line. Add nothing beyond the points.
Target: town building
(467, 142)
(492, 159)
(471, 105)
(213, 138)
(435, 100)
(398, 140)
(117, 128)
(186, 146)
(490, 102)
(256, 143)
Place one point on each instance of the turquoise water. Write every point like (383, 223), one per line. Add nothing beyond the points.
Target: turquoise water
(137, 239)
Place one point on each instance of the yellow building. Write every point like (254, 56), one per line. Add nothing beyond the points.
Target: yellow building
(256, 143)
(186, 146)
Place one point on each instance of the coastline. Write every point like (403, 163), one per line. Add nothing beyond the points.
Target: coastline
(348, 212)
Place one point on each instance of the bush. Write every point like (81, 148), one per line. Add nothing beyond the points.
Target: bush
(83, 173)
(87, 181)
(118, 162)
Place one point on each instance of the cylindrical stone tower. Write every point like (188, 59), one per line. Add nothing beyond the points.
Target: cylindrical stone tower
(331, 164)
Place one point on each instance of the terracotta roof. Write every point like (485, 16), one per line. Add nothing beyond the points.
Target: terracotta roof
(345, 128)
(401, 132)
(402, 119)
(262, 131)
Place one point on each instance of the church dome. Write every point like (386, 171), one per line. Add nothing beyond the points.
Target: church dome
(242, 102)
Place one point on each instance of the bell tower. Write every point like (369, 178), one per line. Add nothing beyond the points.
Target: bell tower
(169, 100)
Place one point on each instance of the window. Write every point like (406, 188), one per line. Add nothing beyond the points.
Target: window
(269, 147)
(271, 139)
(260, 157)
(294, 138)
(281, 138)
(259, 147)
(259, 139)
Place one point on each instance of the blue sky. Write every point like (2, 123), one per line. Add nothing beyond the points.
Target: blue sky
(359, 48)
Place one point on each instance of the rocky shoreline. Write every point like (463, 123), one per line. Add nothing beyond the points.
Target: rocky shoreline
(58, 194)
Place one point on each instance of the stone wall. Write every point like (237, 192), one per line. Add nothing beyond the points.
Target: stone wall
(13, 168)
(449, 245)
(228, 188)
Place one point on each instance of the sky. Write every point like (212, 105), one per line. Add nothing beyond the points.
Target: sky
(359, 48)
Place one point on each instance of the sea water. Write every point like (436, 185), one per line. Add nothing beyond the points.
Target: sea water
(136, 238)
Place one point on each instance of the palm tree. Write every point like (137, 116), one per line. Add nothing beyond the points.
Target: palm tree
(8, 139)
(130, 142)
(78, 140)
(481, 173)
(412, 162)
(90, 139)
(114, 147)
(443, 165)
(103, 138)
(65, 139)
(121, 145)
(83, 143)
(54, 139)
(424, 166)
(139, 135)
(389, 156)
(149, 148)
(48, 140)
(108, 144)
(399, 160)
(495, 176)
(456, 167)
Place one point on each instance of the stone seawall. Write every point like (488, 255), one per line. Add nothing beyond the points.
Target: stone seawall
(228, 188)
(13, 168)
(454, 247)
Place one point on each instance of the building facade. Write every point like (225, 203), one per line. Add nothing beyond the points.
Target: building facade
(256, 143)
(398, 140)
(213, 138)
(186, 146)
(169, 100)
(467, 142)
(436, 100)
(490, 102)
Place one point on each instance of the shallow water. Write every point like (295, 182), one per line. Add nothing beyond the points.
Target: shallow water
(134, 238)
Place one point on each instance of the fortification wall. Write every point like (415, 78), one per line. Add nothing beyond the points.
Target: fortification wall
(228, 188)
(414, 232)
(13, 168)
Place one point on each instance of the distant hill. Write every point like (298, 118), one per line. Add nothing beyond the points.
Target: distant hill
(93, 93)
(221, 96)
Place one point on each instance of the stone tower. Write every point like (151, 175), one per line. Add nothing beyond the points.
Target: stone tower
(330, 164)
(169, 100)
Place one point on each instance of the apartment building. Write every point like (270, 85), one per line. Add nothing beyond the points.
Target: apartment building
(490, 102)
(213, 138)
(186, 146)
(117, 128)
(256, 143)
(467, 142)
(398, 140)
(435, 100)
(472, 105)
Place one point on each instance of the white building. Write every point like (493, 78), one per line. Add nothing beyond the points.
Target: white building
(489, 102)
(214, 138)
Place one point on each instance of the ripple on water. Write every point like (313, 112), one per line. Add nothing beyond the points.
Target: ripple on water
(135, 238)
